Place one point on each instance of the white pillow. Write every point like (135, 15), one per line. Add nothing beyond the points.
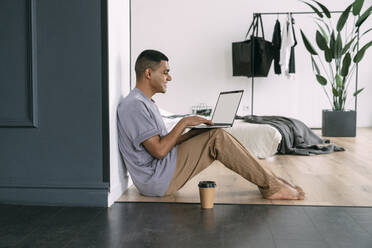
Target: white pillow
(260, 139)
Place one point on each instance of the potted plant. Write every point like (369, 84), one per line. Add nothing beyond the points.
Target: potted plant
(338, 56)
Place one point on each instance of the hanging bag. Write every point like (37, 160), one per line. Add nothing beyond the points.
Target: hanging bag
(256, 49)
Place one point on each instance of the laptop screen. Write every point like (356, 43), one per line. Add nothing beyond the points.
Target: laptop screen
(226, 107)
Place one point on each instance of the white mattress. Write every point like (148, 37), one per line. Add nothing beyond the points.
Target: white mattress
(260, 139)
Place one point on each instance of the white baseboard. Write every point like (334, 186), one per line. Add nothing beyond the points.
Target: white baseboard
(117, 190)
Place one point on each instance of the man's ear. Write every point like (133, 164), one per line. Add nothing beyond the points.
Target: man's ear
(147, 73)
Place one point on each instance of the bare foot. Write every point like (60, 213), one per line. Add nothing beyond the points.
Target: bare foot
(298, 188)
(287, 192)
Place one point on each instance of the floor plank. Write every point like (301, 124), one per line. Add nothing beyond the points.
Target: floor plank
(60, 228)
(19, 222)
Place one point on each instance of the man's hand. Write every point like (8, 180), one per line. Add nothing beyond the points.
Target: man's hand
(159, 147)
(195, 120)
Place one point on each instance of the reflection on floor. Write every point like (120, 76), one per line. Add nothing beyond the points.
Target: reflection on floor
(336, 179)
(185, 225)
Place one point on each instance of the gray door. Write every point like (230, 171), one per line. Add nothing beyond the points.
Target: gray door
(53, 102)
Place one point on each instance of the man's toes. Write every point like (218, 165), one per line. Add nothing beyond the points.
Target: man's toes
(301, 196)
(299, 189)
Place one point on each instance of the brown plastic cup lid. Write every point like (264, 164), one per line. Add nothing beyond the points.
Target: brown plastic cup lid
(207, 184)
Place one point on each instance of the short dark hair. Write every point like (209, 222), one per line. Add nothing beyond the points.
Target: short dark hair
(148, 59)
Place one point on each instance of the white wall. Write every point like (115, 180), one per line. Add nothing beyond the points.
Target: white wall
(197, 35)
(118, 13)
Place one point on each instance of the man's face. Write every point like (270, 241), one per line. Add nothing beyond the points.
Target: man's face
(160, 78)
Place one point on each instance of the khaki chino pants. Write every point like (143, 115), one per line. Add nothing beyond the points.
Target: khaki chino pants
(197, 153)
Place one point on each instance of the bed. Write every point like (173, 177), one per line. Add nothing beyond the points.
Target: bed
(260, 139)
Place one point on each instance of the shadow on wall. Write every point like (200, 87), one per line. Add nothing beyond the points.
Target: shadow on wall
(120, 91)
(122, 168)
(119, 177)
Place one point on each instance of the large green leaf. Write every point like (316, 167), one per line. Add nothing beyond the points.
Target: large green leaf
(315, 66)
(323, 32)
(328, 55)
(347, 46)
(335, 92)
(355, 46)
(358, 57)
(358, 91)
(363, 17)
(338, 81)
(346, 65)
(343, 18)
(332, 45)
(315, 9)
(320, 41)
(324, 8)
(338, 46)
(357, 6)
(307, 44)
(343, 85)
(321, 79)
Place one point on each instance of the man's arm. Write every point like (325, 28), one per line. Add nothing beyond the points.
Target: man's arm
(159, 147)
(190, 134)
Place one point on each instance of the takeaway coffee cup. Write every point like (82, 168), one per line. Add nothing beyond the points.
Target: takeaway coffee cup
(206, 192)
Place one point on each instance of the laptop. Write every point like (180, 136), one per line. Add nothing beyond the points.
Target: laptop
(225, 110)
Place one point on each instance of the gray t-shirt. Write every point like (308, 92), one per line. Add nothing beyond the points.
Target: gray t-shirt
(138, 120)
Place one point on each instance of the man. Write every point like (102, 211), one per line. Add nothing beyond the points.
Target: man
(160, 163)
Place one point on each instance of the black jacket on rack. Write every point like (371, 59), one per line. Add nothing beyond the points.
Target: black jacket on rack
(292, 67)
(277, 43)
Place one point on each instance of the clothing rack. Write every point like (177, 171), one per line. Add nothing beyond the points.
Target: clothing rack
(299, 13)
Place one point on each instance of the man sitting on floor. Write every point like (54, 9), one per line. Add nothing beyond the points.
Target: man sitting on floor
(160, 163)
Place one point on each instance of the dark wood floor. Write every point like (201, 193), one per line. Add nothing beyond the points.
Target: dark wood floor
(185, 225)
